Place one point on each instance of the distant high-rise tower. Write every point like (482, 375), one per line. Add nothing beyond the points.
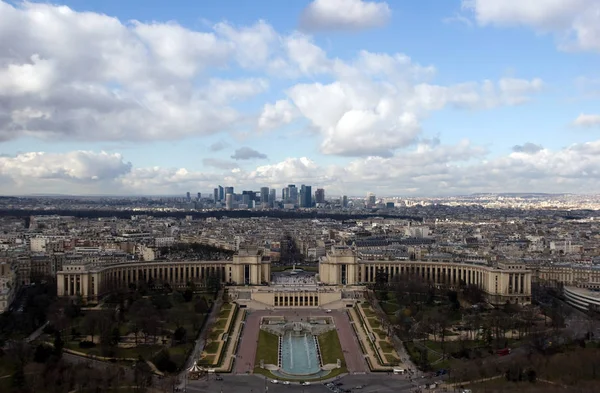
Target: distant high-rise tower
(229, 201)
(320, 195)
(272, 197)
(371, 200)
(188, 196)
(229, 190)
(216, 194)
(292, 193)
(344, 201)
(221, 193)
(305, 196)
(264, 195)
(199, 196)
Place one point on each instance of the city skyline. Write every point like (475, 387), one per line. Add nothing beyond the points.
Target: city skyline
(395, 98)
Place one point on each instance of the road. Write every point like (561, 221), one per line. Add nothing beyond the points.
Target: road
(373, 383)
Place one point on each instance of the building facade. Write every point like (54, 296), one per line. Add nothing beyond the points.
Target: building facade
(248, 267)
(505, 282)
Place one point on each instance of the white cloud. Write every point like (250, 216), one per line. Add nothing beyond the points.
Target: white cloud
(78, 166)
(575, 22)
(225, 91)
(322, 15)
(426, 169)
(586, 120)
(87, 76)
(377, 103)
(275, 115)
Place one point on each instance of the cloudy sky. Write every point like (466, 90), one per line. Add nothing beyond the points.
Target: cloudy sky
(408, 98)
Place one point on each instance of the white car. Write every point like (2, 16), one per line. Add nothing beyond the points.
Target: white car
(305, 383)
(274, 381)
(286, 382)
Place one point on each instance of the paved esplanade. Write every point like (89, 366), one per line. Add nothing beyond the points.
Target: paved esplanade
(247, 349)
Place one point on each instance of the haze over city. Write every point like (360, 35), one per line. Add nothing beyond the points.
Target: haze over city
(422, 98)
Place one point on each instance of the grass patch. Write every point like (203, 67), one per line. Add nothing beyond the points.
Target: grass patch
(386, 346)
(331, 350)
(212, 347)
(389, 308)
(215, 334)
(374, 322)
(207, 360)
(369, 313)
(146, 351)
(220, 324)
(267, 349)
(380, 333)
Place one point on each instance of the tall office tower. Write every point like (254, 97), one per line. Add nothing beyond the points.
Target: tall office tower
(199, 196)
(285, 194)
(216, 194)
(229, 201)
(371, 199)
(272, 197)
(246, 198)
(221, 193)
(292, 193)
(320, 195)
(305, 196)
(264, 195)
(188, 196)
(344, 201)
(229, 190)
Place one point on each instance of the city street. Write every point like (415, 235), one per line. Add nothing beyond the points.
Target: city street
(380, 383)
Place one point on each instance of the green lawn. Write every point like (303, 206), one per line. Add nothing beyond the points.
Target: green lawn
(389, 308)
(380, 333)
(368, 312)
(375, 323)
(207, 360)
(147, 351)
(386, 346)
(267, 349)
(331, 350)
(215, 334)
(220, 324)
(212, 347)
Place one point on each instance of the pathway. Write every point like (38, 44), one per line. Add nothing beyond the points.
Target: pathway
(249, 340)
(201, 340)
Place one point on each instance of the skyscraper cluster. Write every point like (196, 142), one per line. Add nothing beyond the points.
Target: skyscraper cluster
(291, 196)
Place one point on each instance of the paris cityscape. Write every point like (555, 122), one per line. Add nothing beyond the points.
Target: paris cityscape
(337, 196)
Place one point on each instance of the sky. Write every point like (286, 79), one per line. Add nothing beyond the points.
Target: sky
(401, 98)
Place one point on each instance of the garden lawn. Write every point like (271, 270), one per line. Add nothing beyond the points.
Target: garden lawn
(146, 351)
(267, 349)
(386, 346)
(214, 334)
(331, 350)
(212, 347)
(368, 312)
(220, 324)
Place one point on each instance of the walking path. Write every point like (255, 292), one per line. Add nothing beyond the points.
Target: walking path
(367, 346)
(33, 336)
(229, 356)
(201, 341)
(246, 355)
